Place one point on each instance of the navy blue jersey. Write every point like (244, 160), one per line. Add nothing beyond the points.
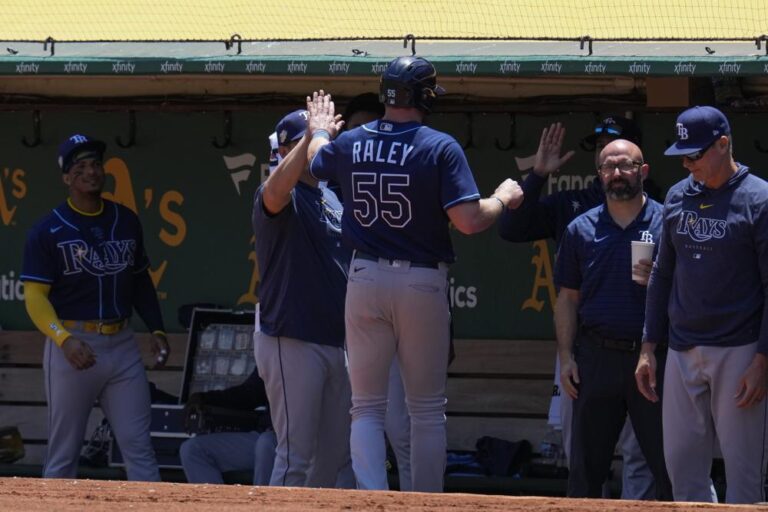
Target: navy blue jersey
(303, 266)
(89, 261)
(710, 280)
(596, 258)
(398, 180)
(547, 217)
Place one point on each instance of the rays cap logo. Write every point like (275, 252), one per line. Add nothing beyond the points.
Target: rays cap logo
(77, 147)
(292, 127)
(696, 129)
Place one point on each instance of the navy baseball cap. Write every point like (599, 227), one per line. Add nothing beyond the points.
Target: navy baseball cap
(291, 127)
(77, 147)
(697, 129)
(617, 127)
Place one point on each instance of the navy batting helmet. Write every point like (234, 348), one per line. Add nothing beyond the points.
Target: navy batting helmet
(410, 82)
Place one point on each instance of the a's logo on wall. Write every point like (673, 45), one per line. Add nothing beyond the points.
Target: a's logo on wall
(13, 188)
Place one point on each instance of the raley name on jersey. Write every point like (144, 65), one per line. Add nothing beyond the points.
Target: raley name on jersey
(381, 151)
(115, 257)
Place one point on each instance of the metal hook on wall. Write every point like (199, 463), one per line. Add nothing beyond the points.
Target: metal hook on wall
(131, 132)
(588, 40)
(512, 136)
(470, 142)
(227, 132)
(50, 41)
(412, 39)
(35, 131)
(232, 40)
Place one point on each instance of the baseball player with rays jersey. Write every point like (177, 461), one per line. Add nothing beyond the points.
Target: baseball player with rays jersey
(707, 297)
(84, 272)
(402, 183)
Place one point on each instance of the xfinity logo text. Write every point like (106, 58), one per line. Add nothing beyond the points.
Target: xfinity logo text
(379, 68)
(75, 67)
(256, 67)
(594, 68)
(24, 68)
(214, 67)
(297, 67)
(551, 67)
(338, 67)
(123, 67)
(171, 67)
(466, 67)
(507, 67)
(729, 68)
(687, 68)
(639, 69)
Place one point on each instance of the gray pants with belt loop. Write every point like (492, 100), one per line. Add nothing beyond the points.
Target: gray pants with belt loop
(118, 381)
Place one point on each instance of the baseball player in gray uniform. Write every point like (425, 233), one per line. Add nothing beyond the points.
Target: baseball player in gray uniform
(85, 271)
(363, 109)
(402, 183)
(707, 300)
(299, 348)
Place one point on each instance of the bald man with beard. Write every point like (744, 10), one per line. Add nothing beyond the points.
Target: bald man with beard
(599, 318)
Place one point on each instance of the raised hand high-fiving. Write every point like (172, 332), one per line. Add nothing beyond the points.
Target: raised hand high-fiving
(548, 159)
(322, 114)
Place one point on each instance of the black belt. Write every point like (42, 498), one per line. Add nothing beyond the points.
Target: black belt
(623, 344)
(414, 264)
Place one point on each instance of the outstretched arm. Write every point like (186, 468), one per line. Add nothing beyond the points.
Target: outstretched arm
(476, 216)
(533, 220)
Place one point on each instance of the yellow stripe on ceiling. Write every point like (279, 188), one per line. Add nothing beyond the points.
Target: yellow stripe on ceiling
(88, 20)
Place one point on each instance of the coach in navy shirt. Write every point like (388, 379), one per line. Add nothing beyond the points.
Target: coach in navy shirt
(300, 348)
(600, 310)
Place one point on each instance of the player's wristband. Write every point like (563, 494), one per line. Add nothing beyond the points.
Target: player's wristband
(500, 202)
(321, 133)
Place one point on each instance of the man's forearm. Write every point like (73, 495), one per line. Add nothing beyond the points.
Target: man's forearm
(277, 189)
(566, 325)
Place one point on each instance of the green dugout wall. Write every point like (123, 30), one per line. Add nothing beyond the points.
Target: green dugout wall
(194, 200)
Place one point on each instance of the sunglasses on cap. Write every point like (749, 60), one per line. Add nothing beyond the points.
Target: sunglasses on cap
(611, 129)
(698, 155)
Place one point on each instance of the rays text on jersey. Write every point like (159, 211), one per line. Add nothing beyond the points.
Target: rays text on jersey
(79, 257)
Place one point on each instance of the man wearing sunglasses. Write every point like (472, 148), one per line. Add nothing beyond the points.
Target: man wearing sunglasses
(707, 299)
(547, 217)
(599, 323)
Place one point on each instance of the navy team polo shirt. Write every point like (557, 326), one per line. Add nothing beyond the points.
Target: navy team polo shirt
(596, 258)
(303, 266)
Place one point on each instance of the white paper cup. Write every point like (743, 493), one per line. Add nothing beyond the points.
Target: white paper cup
(640, 251)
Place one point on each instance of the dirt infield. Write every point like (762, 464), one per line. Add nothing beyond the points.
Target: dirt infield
(95, 495)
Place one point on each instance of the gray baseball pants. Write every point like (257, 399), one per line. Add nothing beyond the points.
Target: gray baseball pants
(118, 381)
(309, 399)
(698, 406)
(395, 310)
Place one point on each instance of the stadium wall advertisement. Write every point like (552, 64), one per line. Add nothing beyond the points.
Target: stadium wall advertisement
(195, 200)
